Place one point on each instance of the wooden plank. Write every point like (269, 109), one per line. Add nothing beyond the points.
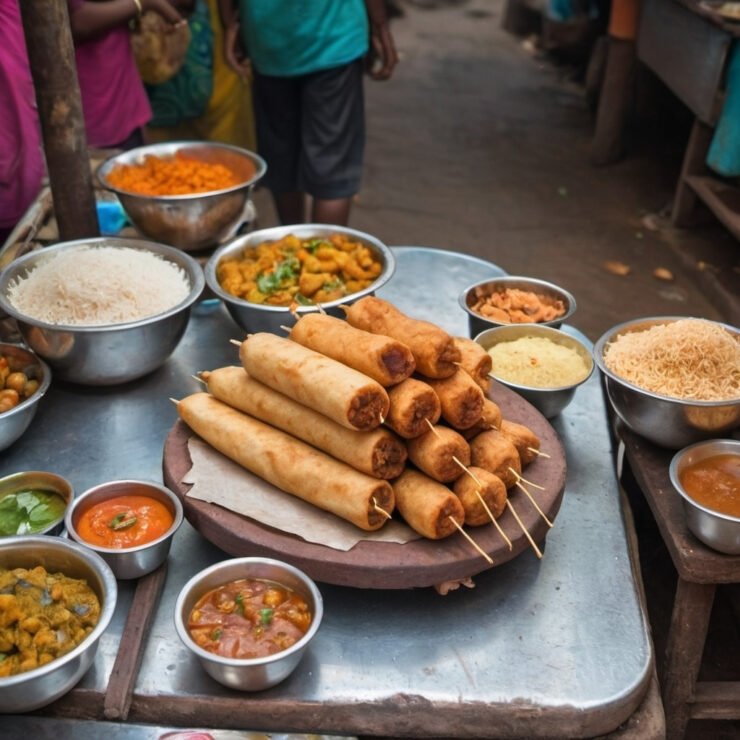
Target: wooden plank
(721, 198)
(694, 163)
(716, 700)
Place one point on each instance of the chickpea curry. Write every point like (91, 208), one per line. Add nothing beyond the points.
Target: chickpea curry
(293, 271)
(15, 385)
(249, 618)
(42, 617)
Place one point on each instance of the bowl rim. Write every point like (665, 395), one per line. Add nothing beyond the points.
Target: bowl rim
(40, 391)
(171, 147)
(245, 562)
(535, 282)
(676, 483)
(68, 498)
(601, 342)
(79, 501)
(106, 611)
(545, 330)
(274, 233)
(172, 254)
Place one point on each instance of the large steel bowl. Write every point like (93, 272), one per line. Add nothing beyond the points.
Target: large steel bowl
(36, 688)
(256, 317)
(111, 353)
(716, 530)
(668, 422)
(15, 421)
(190, 222)
(250, 674)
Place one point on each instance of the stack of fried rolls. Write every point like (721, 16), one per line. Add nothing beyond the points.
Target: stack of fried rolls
(362, 416)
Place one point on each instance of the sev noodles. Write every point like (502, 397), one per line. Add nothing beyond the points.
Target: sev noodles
(688, 359)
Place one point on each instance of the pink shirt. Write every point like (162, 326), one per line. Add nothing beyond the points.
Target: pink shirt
(21, 157)
(114, 101)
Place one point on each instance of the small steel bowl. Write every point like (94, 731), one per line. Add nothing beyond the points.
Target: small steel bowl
(36, 688)
(716, 530)
(110, 353)
(478, 323)
(15, 421)
(129, 562)
(253, 674)
(193, 221)
(549, 401)
(40, 481)
(255, 317)
(668, 422)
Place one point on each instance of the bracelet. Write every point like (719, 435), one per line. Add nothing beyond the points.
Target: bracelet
(139, 9)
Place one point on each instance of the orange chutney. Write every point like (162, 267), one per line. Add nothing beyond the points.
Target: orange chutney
(714, 482)
(124, 521)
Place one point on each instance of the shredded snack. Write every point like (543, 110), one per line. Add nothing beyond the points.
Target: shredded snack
(91, 286)
(688, 359)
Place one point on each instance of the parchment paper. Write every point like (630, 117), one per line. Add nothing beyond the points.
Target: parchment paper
(218, 480)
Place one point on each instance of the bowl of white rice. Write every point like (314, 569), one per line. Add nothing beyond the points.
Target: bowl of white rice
(102, 311)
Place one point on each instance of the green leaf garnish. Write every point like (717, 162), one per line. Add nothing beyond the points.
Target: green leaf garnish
(239, 600)
(301, 300)
(216, 635)
(266, 616)
(120, 522)
(286, 270)
(314, 244)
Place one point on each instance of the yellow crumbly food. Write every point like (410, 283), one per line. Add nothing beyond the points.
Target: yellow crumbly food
(687, 359)
(537, 362)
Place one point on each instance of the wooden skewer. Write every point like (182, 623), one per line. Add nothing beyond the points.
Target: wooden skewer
(285, 328)
(198, 378)
(471, 540)
(432, 429)
(528, 482)
(235, 342)
(469, 472)
(534, 503)
(380, 509)
(537, 452)
(344, 307)
(536, 549)
(493, 519)
(174, 400)
(321, 309)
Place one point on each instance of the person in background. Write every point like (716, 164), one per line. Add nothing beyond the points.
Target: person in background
(114, 102)
(308, 58)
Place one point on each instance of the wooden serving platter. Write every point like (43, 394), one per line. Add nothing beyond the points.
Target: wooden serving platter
(387, 565)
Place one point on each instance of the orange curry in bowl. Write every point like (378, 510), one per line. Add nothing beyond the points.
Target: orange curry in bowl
(249, 618)
(714, 482)
(124, 521)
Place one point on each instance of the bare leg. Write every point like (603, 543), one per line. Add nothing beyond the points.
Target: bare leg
(291, 207)
(334, 211)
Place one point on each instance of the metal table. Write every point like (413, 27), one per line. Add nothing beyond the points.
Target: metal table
(557, 647)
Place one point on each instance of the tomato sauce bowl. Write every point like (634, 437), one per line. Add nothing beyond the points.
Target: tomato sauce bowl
(129, 523)
(255, 673)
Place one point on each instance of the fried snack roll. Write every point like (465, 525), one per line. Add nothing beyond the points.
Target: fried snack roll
(434, 350)
(288, 463)
(427, 505)
(378, 452)
(325, 385)
(490, 419)
(491, 489)
(461, 399)
(381, 358)
(475, 361)
(413, 403)
(523, 438)
(434, 453)
(493, 452)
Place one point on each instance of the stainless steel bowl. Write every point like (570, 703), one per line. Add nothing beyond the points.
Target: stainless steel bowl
(549, 401)
(130, 562)
(15, 421)
(40, 481)
(669, 422)
(190, 222)
(112, 353)
(254, 317)
(41, 686)
(478, 323)
(719, 531)
(251, 674)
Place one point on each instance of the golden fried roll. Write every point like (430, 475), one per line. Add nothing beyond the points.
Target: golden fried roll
(413, 403)
(378, 452)
(461, 399)
(491, 489)
(325, 385)
(427, 506)
(434, 453)
(434, 350)
(490, 419)
(493, 452)
(523, 438)
(381, 358)
(475, 361)
(288, 463)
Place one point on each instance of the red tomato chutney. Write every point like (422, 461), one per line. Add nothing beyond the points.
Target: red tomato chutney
(714, 482)
(249, 618)
(124, 521)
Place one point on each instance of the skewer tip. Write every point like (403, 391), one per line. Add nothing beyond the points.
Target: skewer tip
(235, 342)
(175, 401)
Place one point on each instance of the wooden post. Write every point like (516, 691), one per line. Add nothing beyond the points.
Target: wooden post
(52, 60)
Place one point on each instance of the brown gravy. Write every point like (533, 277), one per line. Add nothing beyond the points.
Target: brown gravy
(715, 483)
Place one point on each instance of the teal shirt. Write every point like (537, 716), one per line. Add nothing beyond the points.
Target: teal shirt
(287, 38)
